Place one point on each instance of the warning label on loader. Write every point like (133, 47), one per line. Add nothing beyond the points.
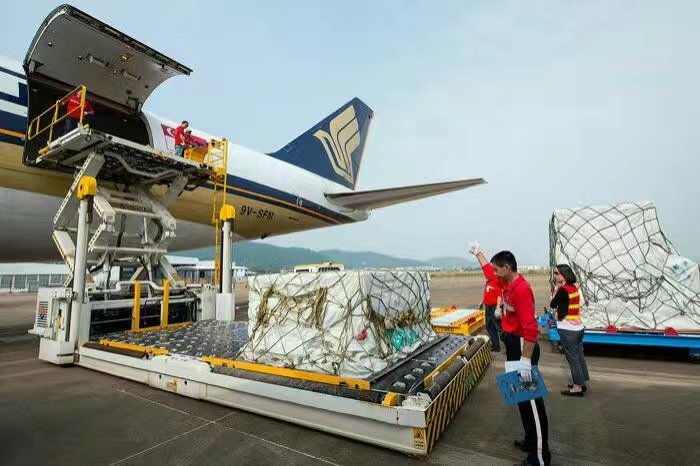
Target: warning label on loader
(419, 439)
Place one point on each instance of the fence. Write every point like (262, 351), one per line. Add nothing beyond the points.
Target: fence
(28, 283)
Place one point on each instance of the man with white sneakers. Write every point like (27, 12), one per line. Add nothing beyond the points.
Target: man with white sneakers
(520, 337)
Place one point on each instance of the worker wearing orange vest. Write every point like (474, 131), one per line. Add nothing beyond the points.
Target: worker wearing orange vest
(73, 112)
(566, 299)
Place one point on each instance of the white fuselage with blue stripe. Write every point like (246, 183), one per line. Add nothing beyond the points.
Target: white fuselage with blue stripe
(271, 196)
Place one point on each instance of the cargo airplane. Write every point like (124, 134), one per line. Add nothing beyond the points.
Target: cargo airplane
(307, 184)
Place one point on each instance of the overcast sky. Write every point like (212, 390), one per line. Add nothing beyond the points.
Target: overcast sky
(555, 103)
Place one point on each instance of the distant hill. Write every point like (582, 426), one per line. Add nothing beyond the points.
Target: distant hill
(267, 257)
(369, 260)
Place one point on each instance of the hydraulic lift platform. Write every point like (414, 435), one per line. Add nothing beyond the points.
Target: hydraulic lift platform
(125, 161)
(405, 407)
(155, 329)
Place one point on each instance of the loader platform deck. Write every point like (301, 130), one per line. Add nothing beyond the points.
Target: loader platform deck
(404, 407)
(125, 160)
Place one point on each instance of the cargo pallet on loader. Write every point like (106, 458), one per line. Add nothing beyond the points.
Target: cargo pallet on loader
(155, 329)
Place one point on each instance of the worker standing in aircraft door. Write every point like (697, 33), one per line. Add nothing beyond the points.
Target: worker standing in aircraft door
(73, 112)
(520, 334)
(180, 138)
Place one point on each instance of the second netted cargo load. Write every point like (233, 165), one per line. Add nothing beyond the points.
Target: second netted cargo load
(629, 273)
(348, 323)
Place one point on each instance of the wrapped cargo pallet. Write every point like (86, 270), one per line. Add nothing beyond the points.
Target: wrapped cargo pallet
(629, 273)
(349, 323)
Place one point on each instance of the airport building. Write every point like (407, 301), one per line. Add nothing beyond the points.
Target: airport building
(29, 277)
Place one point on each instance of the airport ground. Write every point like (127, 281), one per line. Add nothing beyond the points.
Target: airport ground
(642, 408)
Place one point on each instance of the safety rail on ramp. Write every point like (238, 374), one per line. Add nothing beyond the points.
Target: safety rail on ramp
(40, 125)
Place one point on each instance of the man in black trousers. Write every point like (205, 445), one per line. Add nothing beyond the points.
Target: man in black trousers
(520, 334)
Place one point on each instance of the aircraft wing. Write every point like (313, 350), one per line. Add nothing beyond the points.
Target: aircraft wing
(377, 198)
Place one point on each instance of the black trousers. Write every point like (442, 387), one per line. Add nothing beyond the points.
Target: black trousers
(70, 125)
(492, 327)
(533, 413)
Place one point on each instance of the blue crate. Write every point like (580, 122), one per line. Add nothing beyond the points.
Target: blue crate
(516, 391)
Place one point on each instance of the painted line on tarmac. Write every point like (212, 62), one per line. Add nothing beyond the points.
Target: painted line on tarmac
(323, 460)
(206, 423)
(28, 373)
(163, 405)
(159, 444)
(209, 422)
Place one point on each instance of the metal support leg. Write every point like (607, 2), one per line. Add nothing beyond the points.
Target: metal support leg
(226, 261)
(225, 304)
(86, 191)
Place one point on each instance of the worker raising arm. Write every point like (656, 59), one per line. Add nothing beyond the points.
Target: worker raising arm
(518, 301)
(520, 337)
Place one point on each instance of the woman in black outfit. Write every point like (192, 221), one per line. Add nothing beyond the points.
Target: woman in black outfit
(567, 302)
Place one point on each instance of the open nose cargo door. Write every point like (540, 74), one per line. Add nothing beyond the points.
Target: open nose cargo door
(71, 48)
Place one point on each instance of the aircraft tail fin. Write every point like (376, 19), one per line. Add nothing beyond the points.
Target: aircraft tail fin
(333, 148)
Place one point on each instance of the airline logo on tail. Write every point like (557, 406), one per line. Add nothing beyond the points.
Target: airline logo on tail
(342, 141)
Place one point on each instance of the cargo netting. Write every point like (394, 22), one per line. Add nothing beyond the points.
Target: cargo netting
(629, 273)
(348, 323)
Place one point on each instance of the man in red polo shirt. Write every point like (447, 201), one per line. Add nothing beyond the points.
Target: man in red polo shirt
(73, 112)
(180, 138)
(520, 334)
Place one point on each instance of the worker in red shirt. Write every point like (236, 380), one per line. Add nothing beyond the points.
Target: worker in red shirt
(492, 302)
(73, 112)
(180, 138)
(520, 334)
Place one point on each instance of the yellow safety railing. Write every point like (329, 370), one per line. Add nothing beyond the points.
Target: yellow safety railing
(215, 156)
(164, 311)
(218, 158)
(136, 309)
(42, 123)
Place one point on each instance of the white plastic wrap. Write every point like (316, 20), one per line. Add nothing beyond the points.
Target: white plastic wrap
(350, 323)
(630, 275)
